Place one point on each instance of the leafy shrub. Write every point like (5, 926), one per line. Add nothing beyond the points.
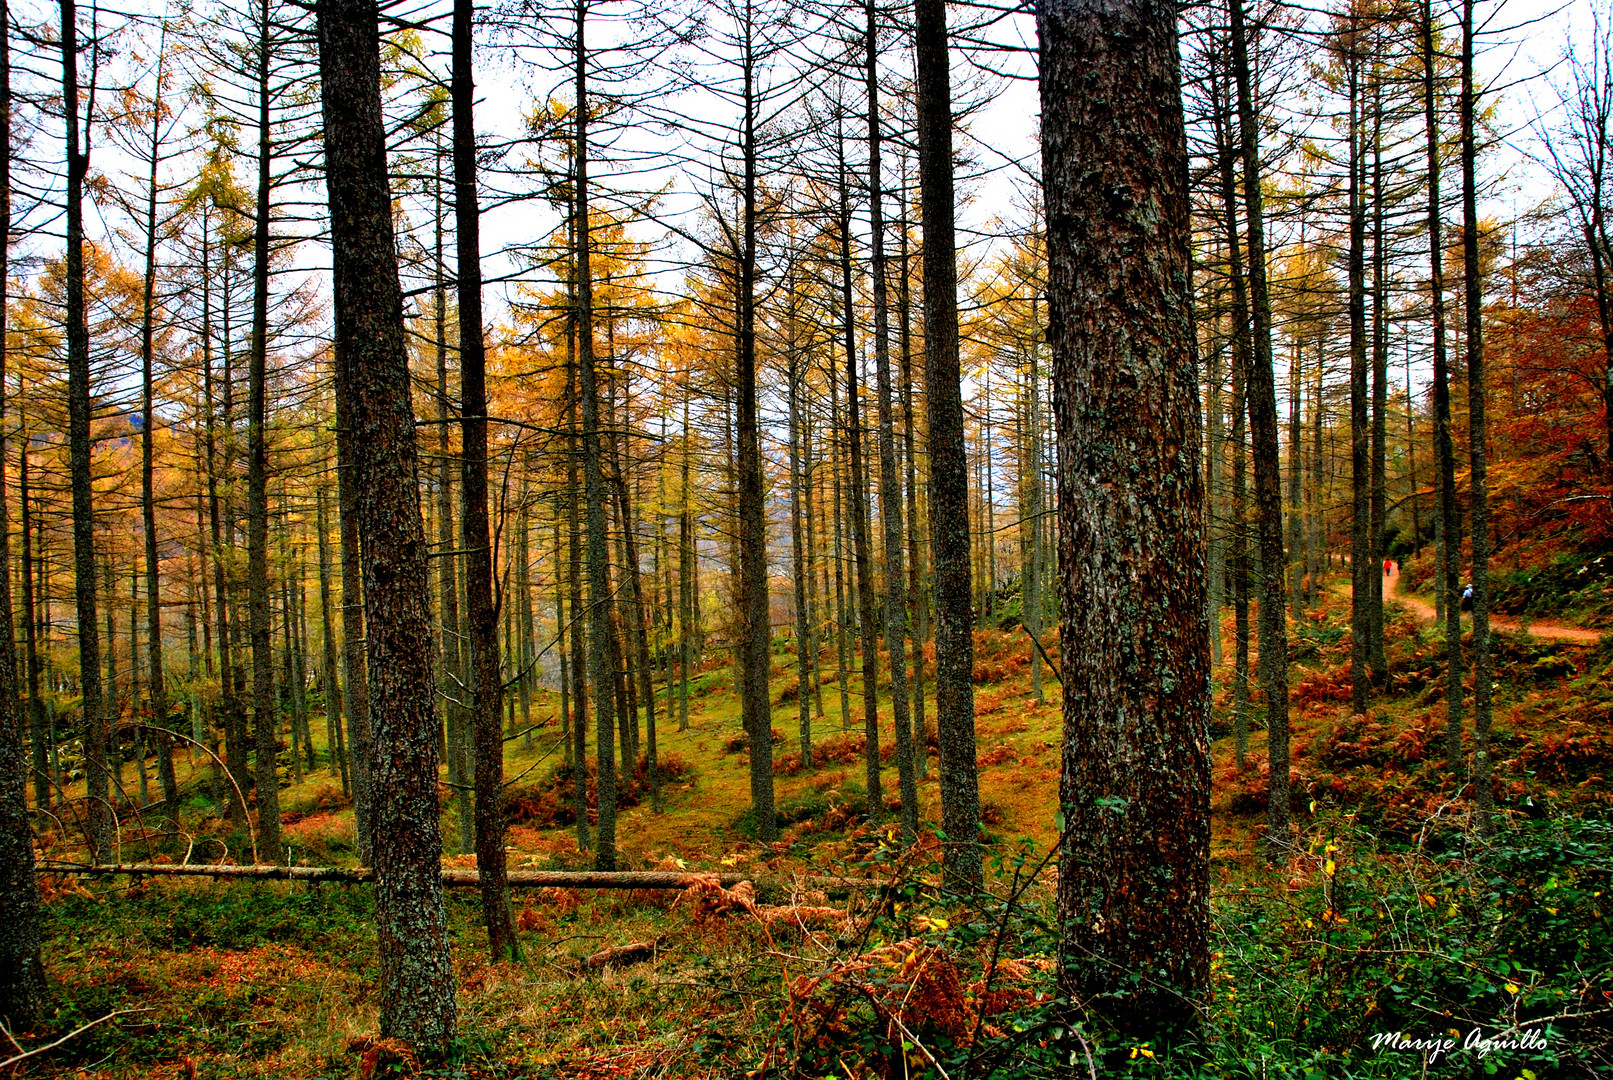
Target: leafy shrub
(551, 802)
(1311, 966)
(739, 742)
(847, 748)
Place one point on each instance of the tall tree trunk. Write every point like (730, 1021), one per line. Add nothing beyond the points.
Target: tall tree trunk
(578, 630)
(453, 675)
(264, 717)
(795, 420)
(1240, 453)
(1263, 438)
(949, 483)
(1032, 605)
(858, 508)
(1362, 571)
(1478, 484)
(22, 977)
(297, 587)
(38, 722)
(1316, 515)
(987, 500)
(688, 572)
(915, 559)
(1449, 519)
(288, 684)
(241, 729)
(229, 706)
(1377, 659)
(137, 734)
(114, 705)
(640, 642)
(417, 983)
(1134, 883)
(1296, 471)
(890, 488)
(330, 672)
(487, 681)
(755, 653)
(148, 500)
(842, 616)
(1216, 544)
(96, 727)
(600, 632)
(355, 650)
(526, 654)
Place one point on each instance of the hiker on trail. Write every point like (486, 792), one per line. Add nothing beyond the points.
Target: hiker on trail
(1467, 598)
(1388, 567)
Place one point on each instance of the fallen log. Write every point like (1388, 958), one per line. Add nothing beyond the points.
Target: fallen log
(622, 955)
(451, 877)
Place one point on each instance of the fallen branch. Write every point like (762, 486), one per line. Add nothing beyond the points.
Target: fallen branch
(452, 878)
(1048, 660)
(622, 955)
(70, 1035)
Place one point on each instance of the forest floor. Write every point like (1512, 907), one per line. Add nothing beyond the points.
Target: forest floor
(279, 980)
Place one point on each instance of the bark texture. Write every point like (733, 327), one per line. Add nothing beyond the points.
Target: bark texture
(1134, 866)
(755, 633)
(265, 718)
(949, 467)
(487, 681)
(417, 984)
(96, 728)
(599, 592)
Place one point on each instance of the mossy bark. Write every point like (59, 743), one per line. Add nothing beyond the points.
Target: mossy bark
(1134, 866)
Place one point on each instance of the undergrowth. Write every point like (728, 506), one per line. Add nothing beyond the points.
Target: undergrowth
(1357, 959)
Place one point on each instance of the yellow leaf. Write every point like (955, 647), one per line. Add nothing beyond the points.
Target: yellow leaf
(1512, 988)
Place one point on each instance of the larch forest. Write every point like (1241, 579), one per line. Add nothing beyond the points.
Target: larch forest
(806, 539)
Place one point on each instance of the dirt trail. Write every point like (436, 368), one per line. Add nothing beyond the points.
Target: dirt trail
(1548, 631)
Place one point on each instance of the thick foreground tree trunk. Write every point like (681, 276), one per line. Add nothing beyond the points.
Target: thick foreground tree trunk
(1134, 865)
(417, 982)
